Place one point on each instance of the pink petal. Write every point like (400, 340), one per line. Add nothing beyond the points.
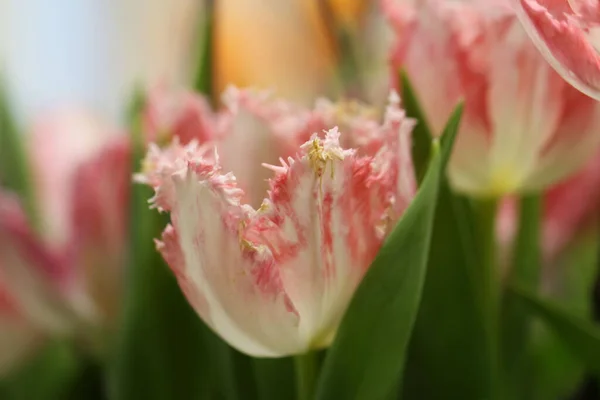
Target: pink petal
(330, 211)
(573, 142)
(423, 41)
(246, 128)
(566, 34)
(183, 114)
(218, 274)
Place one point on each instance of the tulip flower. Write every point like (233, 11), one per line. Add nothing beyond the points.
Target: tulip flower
(523, 127)
(271, 265)
(565, 31)
(66, 275)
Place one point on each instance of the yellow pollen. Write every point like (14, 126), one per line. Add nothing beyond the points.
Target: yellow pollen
(147, 166)
(264, 206)
(243, 242)
(319, 157)
(246, 244)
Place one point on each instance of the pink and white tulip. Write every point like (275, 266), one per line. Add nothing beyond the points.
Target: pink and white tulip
(271, 265)
(65, 275)
(567, 32)
(523, 128)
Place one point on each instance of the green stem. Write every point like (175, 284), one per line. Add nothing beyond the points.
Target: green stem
(489, 286)
(524, 272)
(15, 169)
(526, 259)
(203, 79)
(306, 375)
(347, 79)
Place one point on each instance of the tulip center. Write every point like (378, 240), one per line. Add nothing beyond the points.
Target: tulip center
(503, 180)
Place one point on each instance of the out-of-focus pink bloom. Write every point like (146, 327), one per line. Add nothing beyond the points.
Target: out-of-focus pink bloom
(66, 277)
(59, 142)
(569, 208)
(271, 265)
(523, 127)
(567, 34)
(100, 216)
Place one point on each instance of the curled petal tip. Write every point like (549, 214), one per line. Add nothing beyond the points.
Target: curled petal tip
(564, 33)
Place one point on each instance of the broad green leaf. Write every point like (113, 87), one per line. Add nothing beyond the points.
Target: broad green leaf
(15, 173)
(48, 376)
(230, 373)
(421, 133)
(367, 356)
(448, 356)
(454, 364)
(580, 336)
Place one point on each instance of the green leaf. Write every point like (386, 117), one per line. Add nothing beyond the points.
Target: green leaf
(454, 364)
(15, 173)
(582, 337)
(368, 354)
(421, 138)
(203, 78)
(48, 376)
(449, 355)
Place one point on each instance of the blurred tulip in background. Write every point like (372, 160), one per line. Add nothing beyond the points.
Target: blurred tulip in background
(524, 128)
(64, 271)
